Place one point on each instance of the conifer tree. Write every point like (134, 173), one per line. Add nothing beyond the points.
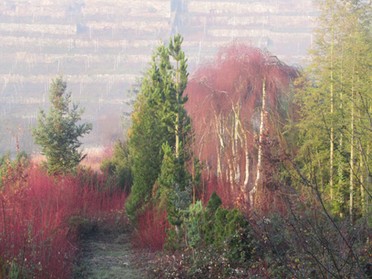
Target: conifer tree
(160, 130)
(334, 108)
(58, 131)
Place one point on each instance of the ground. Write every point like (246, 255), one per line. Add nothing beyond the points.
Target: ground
(108, 253)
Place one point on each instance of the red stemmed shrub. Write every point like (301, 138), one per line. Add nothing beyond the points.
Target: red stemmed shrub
(151, 229)
(37, 239)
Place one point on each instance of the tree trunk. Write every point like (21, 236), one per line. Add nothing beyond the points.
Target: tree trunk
(177, 128)
(362, 181)
(220, 145)
(246, 179)
(352, 135)
(260, 141)
(331, 151)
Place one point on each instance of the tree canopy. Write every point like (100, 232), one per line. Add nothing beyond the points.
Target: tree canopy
(160, 128)
(335, 108)
(59, 130)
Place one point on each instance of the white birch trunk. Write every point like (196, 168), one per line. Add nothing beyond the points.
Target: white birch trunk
(260, 141)
(246, 179)
(220, 144)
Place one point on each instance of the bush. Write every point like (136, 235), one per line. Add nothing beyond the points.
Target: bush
(194, 225)
(40, 221)
(13, 171)
(118, 166)
(220, 240)
(304, 242)
(239, 242)
(151, 229)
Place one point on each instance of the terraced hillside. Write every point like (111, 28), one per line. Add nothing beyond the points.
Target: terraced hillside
(282, 26)
(102, 46)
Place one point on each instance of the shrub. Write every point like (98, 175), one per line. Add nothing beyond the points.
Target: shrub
(151, 229)
(38, 223)
(118, 166)
(194, 225)
(13, 171)
(220, 238)
(304, 241)
(213, 203)
(239, 242)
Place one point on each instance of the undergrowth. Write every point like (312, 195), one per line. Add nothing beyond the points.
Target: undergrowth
(286, 238)
(42, 218)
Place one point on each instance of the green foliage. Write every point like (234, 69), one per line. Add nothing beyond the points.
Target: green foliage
(214, 203)
(194, 225)
(119, 165)
(13, 171)
(174, 240)
(226, 232)
(167, 177)
(335, 108)
(214, 220)
(217, 230)
(58, 131)
(172, 191)
(158, 138)
(14, 272)
(239, 241)
(229, 232)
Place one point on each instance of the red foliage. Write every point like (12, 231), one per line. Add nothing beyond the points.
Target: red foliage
(224, 103)
(151, 229)
(34, 229)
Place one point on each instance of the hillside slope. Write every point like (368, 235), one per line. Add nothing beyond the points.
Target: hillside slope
(102, 46)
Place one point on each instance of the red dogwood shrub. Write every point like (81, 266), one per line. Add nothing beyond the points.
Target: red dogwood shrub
(151, 229)
(36, 239)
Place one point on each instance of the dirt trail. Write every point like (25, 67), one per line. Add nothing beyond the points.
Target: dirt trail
(108, 254)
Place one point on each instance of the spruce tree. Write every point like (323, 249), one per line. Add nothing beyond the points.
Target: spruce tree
(59, 130)
(160, 123)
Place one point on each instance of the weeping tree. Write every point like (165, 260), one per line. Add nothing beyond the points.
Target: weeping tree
(59, 130)
(236, 102)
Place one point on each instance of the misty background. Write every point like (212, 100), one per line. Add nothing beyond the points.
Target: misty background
(102, 48)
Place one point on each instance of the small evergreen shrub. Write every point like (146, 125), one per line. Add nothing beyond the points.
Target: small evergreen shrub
(220, 239)
(117, 167)
(194, 225)
(238, 237)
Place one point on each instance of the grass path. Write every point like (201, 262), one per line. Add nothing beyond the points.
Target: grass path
(108, 254)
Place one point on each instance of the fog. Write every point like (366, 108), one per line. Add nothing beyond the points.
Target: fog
(102, 48)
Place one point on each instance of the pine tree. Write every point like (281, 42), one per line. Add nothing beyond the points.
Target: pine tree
(58, 131)
(160, 125)
(145, 139)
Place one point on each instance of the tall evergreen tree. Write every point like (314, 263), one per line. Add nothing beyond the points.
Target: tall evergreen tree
(160, 123)
(335, 106)
(58, 131)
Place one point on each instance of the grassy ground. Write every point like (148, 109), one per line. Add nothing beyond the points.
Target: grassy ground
(108, 253)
